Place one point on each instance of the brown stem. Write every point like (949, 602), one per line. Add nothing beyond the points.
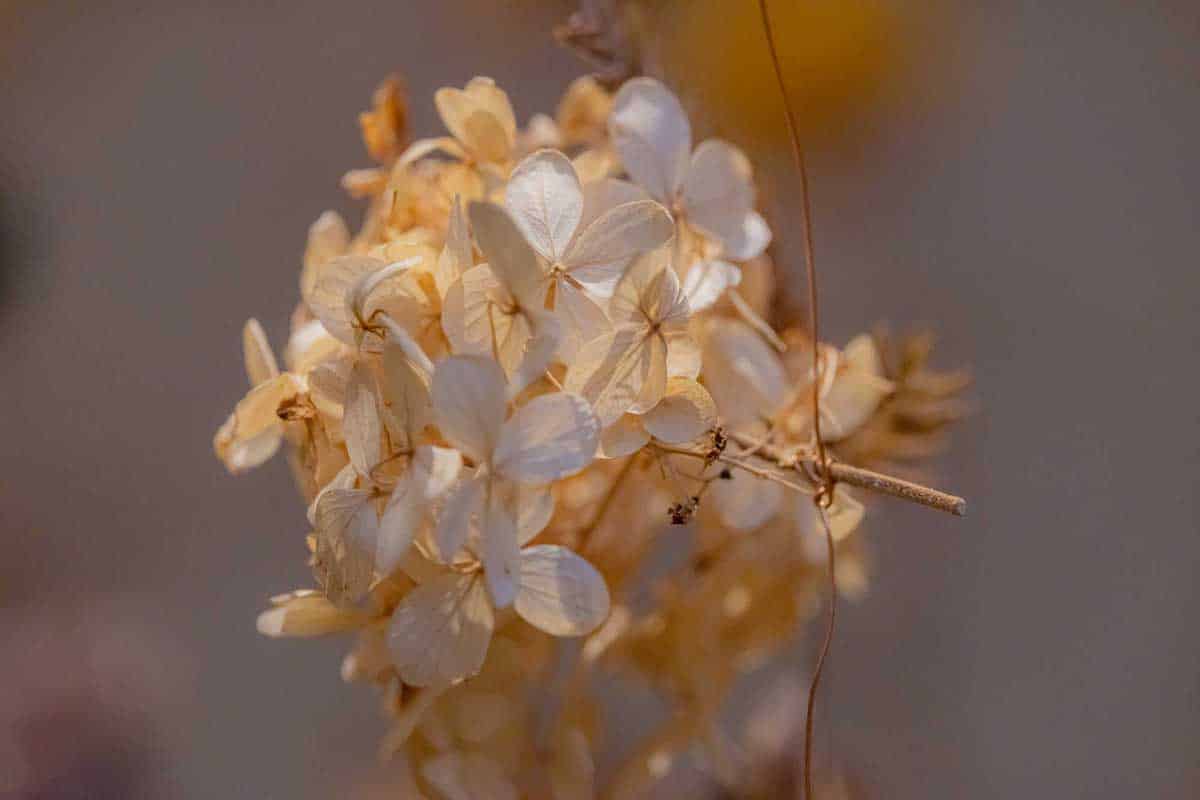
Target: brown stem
(859, 477)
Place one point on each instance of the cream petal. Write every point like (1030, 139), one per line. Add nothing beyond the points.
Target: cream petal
(603, 194)
(463, 502)
(335, 281)
(622, 438)
(545, 199)
(685, 413)
(251, 433)
(408, 408)
(328, 238)
(583, 319)
(559, 592)
(346, 535)
(501, 550)
(650, 131)
(440, 631)
(457, 255)
(654, 386)
(549, 438)
(544, 341)
(304, 614)
(742, 237)
(432, 473)
(608, 245)
(743, 373)
(611, 371)
(745, 502)
(707, 280)
(469, 403)
(512, 260)
(719, 182)
(361, 423)
(535, 507)
(257, 354)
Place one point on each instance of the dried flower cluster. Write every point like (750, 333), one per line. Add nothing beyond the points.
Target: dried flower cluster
(543, 346)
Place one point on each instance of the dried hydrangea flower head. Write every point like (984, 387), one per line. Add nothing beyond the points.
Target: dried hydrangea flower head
(531, 357)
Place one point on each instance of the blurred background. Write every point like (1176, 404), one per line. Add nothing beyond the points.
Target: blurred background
(1021, 176)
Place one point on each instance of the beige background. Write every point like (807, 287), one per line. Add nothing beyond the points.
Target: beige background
(1034, 197)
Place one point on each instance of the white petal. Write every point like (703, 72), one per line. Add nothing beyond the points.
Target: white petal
(433, 471)
(600, 196)
(745, 502)
(549, 438)
(468, 776)
(256, 351)
(469, 403)
(582, 319)
(719, 182)
(560, 593)
(545, 340)
(844, 516)
(610, 243)
(440, 632)
(462, 504)
(361, 423)
(611, 371)
(655, 384)
(624, 437)
(706, 281)
(545, 200)
(501, 550)
(535, 507)
(685, 413)
(651, 133)
(332, 288)
(743, 373)
(510, 257)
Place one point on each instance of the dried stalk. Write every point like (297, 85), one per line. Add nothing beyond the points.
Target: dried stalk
(857, 476)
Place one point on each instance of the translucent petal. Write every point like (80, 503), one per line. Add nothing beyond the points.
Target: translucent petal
(623, 437)
(535, 507)
(494, 99)
(457, 256)
(611, 371)
(582, 317)
(608, 245)
(468, 117)
(604, 194)
(440, 632)
(706, 281)
(651, 133)
(544, 341)
(684, 356)
(545, 199)
(462, 504)
(346, 533)
(655, 384)
(469, 403)
(432, 473)
(510, 257)
(560, 593)
(685, 413)
(631, 298)
(501, 550)
(548, 438)
(405, 396)
(361, 423)
(423, 147)
(719, 183)
(256, 352)
(327, 300)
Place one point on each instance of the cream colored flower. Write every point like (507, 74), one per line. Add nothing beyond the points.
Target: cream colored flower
(548, 438)
(585, 236)
(710, 189)
(626, 369)
(481, 122)
(857, 390)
